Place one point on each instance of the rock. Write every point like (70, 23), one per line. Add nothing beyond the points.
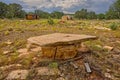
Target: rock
(118, 42)
(6, 52)
(109, 48)
(83, 49)
(8, 42)
(58, 45)
(108, 75)
(38, 49)
(10, 66)
(117, 51)
(101, 28)
(17, 74)
(74, 65)
(48, 71)
(61, 78)
(66, 52)
(23, 52)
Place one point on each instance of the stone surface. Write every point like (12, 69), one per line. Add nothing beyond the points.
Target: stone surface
(57, 45)
(6, 52)
(61, 78)
(38, 49)
(58, 38)
(8, 42)
(18, 74)
(108, 48)
(48, 71)
(101, 28)
(23, 52)
(10, 66)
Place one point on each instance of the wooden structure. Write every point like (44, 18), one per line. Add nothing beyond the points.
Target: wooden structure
(32, 16)
(58, 45)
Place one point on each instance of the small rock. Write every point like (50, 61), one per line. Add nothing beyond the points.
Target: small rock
(36, 49)
(101, 28)
(109, 48)
(108, 70)
(23, 54)
(6, 52)
(22, 50)
(8, 42)
(18, 74)
(108, 75)
(61, 78)
(118, 42)
(10, 66)
(48, 71)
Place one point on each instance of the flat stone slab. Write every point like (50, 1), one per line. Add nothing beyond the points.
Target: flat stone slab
(59, 38)
(58, 45)
(46, 71)
(18, 75)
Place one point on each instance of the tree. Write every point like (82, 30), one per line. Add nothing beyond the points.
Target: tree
(82, 14)
(57, 14)
(3, 9)
(101, 16)
(42, 14)
(15, 11)
(91, 15)
(114, 11)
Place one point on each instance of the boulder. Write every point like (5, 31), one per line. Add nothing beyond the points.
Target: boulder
(58, 45)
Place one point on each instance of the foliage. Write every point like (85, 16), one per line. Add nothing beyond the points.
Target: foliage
(53, 65)
(101, 16)
(82, 14)
(114, 11)
(11, 10)
(113, 26)
(50, 21)
(57, 14)
(3, 9)
(42, 14)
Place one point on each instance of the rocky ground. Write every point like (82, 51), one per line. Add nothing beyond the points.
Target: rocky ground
(103, 54)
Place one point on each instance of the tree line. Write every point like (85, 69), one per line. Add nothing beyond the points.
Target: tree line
(15, 10)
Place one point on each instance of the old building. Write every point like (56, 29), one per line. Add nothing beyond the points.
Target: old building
(32, 16)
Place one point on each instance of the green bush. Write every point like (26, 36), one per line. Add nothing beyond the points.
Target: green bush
(50, 21)
(113, 26)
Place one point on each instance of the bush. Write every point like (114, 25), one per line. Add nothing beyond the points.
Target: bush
(50, 21)
(113, 26)
(6, 32)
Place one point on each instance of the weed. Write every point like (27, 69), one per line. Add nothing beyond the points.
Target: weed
(50, 21)
(7, 32)
(53, 65)
(113, 26)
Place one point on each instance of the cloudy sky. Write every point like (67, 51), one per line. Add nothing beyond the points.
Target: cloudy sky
(66, 6)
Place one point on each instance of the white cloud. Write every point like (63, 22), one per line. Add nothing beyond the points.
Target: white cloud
(65, 5)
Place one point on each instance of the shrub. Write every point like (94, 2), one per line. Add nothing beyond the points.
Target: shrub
(50, 21)
(113, 26)
(6, 32)
(53, 65)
